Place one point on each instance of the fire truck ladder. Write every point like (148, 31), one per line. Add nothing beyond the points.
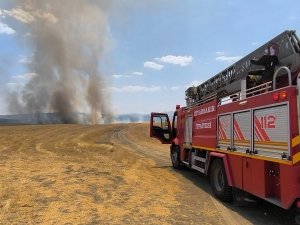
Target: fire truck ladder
(282, 50)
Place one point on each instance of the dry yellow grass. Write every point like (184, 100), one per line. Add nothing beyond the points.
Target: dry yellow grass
(95, 174)
(79, 174)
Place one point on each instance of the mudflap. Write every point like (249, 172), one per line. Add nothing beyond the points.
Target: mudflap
(243, 198)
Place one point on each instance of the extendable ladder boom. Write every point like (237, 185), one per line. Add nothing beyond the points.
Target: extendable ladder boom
(285, 46)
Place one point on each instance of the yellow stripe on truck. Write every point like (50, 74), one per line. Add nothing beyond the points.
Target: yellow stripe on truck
(296, 158)
(271, 143)
(295, 141)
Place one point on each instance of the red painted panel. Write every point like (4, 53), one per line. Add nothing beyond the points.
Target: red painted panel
(258, 177)
(296, 180)
(184, 154)
(180, 125)
(235, 164)
(205, 125)
(247, 174)
(286, 182)
(272, 181)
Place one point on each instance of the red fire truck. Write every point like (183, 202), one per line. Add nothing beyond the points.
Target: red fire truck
(241, 126)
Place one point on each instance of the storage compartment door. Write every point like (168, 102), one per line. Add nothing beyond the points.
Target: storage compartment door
(224, 132)
(188, 130)
(242, 131)
(271, 132)
(247, 174)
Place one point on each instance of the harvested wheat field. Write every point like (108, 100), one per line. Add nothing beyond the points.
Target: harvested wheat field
(107, 174)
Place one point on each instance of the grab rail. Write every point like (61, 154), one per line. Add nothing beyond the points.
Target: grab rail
(289, 76)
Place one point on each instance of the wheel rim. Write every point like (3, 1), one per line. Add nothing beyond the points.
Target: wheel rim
(174, 157)
(218, 179)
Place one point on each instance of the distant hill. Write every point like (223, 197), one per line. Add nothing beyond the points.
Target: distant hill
(132, 118)
(48, 118)
(17, 119)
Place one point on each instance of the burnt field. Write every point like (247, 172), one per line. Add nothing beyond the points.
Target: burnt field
(107, 174)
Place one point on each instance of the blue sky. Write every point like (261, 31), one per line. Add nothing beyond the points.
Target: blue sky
(160, 49)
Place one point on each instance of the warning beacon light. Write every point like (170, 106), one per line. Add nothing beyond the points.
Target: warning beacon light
(275, 96)
(177, 106)
(281, 95)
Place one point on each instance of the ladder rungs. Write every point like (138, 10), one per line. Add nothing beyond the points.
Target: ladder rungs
(198, 168)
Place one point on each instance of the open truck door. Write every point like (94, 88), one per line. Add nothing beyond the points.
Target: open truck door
(160, 127)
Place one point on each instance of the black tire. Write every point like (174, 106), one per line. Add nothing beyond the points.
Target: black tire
(219, 181)
(297, 219)
(175, 157)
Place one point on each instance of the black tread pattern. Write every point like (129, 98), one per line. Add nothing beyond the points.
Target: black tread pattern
(227, 196)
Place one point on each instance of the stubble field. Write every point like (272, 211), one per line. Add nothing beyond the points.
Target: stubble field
(106, 174)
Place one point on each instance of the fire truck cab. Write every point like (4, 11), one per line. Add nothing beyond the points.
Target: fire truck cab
(241, 127)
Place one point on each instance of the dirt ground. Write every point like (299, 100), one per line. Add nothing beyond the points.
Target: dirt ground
(107, 174)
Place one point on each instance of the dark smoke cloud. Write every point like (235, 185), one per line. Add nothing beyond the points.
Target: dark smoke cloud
(68, 39)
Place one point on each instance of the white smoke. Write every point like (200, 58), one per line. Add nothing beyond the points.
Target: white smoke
(68, 40)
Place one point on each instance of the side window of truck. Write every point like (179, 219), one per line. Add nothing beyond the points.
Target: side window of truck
(160, 121)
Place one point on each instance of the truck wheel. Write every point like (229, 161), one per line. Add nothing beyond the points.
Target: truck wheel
(297, 219)
(219, 181)
(175, 157)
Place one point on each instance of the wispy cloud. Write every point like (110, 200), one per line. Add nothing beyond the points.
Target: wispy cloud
(177, 60)
(20, 14)
(26, 75)
(138, 73)
(4, 29)
(254, 43)
(194, 83)
(175, 88)
(2, 15)
(29, 17)
(220, 53)
(25, 59)
(293, 17)
(134, 89)
(153, 65)
(119, 76)
(228, 58)
(15, 84)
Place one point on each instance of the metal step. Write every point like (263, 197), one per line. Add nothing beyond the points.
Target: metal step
(198, 168)
(199, 158)
(184, 162)
(274, 200)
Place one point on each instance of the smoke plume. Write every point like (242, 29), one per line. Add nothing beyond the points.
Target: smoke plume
(68, 40)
